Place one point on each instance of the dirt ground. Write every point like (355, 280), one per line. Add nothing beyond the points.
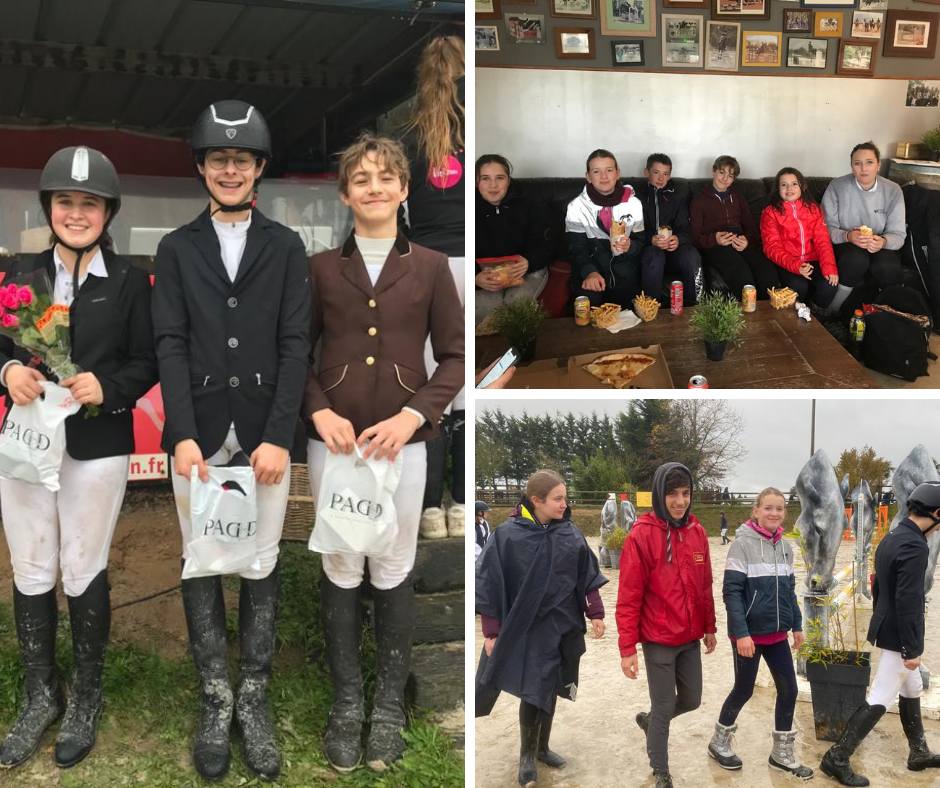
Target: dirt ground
(604, 747)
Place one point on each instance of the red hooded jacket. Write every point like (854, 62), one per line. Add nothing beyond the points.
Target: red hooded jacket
(798, 235)
(659, 601)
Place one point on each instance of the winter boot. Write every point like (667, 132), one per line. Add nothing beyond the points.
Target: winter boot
(90, 616)
(921, 757)
(394, 623)
(42, 703)
(720, 749)
(205, 619)
(545, 755)
(783, 758)
(529, 736)
(643, 720)
(257, 627)
(342, 623)
(663, 779)
(456, 521)
(835, 762)
(433, 524)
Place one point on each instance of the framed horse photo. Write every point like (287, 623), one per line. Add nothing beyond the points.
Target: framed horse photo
(629, 17)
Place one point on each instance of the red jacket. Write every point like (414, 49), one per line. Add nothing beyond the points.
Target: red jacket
(798, 235)
(664, 602)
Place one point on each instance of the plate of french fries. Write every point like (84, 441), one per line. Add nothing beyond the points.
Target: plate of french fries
(781, 297)
(605, 315)
(645, 307)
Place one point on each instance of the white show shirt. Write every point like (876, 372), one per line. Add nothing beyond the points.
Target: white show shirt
(232, 239)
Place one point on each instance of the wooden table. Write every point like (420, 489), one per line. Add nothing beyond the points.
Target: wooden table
(778, 350)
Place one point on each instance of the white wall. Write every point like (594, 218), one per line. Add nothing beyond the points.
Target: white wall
(546, 121)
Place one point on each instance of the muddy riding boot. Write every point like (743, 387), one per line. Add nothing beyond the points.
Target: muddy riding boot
(835, 762)
(90, 616)
(394, 623)
(545, 755)
(342, 623)
(720, 747)
(205, 619)
(783, 757)
(663, 779)
(529, 742)
(921, 757)
(42, 704)
(257, 628)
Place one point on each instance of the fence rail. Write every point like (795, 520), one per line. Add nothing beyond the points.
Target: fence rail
(509, 497)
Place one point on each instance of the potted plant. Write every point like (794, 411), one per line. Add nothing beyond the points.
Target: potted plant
(519, 321)
(931, 138)
(614, 545)
(720, 320)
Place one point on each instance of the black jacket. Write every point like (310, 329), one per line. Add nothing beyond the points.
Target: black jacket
(112, 338)
(482, 532)
(673, 211)
(897, 623)
(922, 245)
(514, 226)
(231, 351)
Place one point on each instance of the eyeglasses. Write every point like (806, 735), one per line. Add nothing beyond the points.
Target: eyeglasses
(219, 161)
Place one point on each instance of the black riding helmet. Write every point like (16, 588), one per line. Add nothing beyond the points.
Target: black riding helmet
(924, 501)
(480, 506)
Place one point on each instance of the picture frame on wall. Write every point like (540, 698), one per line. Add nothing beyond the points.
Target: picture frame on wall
(629, 17)
(828, 3)
(487, 38)
(867, 24)
(921, 93)
(807, 52)
(910, 33)
(878, 5)
(487, 9)
(856, 57)
(682, 41)
(723, 41)
(740, 9)
(526, 28)
(703, 4)
(628, 54)
(797, 20)
(760, 48)
(521, 2)
(574, 9)
(574, 43)
(828, 24)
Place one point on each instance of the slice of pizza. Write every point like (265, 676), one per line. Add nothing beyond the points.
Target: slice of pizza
(618, 369)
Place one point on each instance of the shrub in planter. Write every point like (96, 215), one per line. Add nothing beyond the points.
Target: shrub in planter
(719, 319)
(614, 545)
(931, 138)
(519, 321)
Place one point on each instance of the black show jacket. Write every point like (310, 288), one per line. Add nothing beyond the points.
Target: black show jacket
(231, 351)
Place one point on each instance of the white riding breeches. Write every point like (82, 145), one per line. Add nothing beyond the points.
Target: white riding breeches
(893, 679)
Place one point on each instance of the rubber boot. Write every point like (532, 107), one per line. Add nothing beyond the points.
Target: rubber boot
(643, 720)
(835, 762)
(783, 757)
(394, 624)
(205, 619)
(663, 779)
(342, 622)
(545, 755)
(257, 629)
(42, 704)
(920, 757)
(720, 747)
(90, 616)
(529, 738)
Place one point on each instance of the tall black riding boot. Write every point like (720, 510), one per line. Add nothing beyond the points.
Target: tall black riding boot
(528, 747)
(545, 755)
(42, 704)
(90, 616)
(394, 624)
(257, 624)
(920, 757)
(342, 622)
(835, 762)
(205, 620)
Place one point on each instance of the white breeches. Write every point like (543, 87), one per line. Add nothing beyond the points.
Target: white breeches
(389, 570)
(893, 679)
(71, 528)
(272, 506)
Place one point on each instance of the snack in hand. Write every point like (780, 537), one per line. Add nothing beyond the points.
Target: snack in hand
(617, 231)
(502, 267)
(665, 231)
(618, 369)
(866, 231)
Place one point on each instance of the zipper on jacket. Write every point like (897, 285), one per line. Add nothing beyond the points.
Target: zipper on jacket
(777, 587)
(746, 612)
(802, 250)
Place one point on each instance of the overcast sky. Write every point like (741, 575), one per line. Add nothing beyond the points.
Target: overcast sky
(777, 432)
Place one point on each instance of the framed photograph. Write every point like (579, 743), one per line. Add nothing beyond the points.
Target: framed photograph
(740, 9)
(867, 24)
(807, 52)
(828, 3)
(856, 58)
(703, 4)
(627, 53)
(760, 48)
(682, 41)
(910, 33)
(574, 43)
(487, 9)
(828, 23)
(628, 17)
(521, 2)
(487, 38)
(874, 5)
(526, 28)
(723, 38)
(797, 20)
(922, 94)
(574, 9)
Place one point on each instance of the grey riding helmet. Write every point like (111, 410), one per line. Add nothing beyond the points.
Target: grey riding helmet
(80, 169)
(232, 124)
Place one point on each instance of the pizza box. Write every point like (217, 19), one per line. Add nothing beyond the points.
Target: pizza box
(655, 376)
(548, 374)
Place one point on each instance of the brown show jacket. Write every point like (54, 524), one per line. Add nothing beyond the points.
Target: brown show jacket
(372, 354)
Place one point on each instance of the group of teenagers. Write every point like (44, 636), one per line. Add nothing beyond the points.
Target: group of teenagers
(247, 338)
(816, 249)
(537, 581)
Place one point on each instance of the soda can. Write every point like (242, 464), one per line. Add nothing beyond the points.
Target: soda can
(749, 298)
(582, 311)
(675, 298)
(698, 382)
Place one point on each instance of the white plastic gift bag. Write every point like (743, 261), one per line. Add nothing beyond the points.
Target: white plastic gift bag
(224, 520)
(32, 441)
(355, 510)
